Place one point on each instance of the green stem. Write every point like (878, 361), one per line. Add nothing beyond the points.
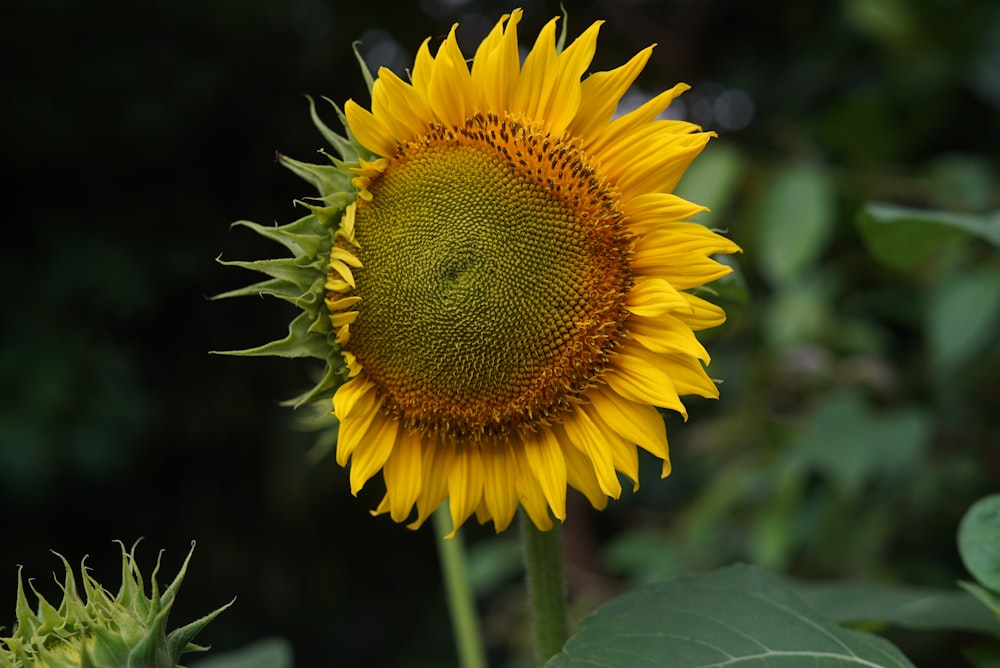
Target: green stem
(543, 561)
(461, 603)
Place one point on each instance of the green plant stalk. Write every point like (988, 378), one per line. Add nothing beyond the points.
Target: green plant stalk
(461, 603)
(543, 563)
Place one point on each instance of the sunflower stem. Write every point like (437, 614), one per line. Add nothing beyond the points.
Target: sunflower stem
(543, 563)
(461, 603)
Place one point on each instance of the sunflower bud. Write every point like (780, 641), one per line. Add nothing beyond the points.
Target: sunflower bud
(98, 630)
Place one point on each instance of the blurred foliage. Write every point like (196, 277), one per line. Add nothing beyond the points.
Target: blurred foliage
(857, 166)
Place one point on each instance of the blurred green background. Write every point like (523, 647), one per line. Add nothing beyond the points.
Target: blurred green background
(860, 413)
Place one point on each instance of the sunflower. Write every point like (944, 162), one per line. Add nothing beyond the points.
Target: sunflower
(509, 280)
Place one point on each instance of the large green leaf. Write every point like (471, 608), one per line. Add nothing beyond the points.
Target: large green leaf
(903, 237)
(979, 541)
(737, 615)
(907, 607)
(266, 653)
(962, 317)
(796, 220)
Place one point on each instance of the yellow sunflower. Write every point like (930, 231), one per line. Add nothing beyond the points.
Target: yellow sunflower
(497, 276)
(509, 287)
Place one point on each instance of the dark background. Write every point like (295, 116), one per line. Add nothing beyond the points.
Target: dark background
(134, 133)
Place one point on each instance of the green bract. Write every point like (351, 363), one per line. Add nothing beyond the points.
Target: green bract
(301, 279)
(128, 630)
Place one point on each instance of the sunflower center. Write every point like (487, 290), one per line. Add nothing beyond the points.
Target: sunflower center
(495, 267)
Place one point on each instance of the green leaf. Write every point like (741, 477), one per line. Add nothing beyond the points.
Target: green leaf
(990, 599)
(907, 607)
(979, 541)
(904, 238)
(795, 222)
(335, 139)
(737, 615)
(850, 444)
(962, 317)
(266, 653)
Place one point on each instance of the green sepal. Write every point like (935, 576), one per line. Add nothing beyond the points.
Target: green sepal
(561, 42)
(304, 237)
(329, 180)
(330, 214)
(301, 279)
(302, 341)
(274, 288)
(127, 630)
(343, 145)
(365, 72)
(299, 272)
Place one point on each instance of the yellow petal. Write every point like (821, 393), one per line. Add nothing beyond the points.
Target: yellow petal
(343, 271)
(341, 319)
(403, 477)
(538, 75)
(588, 439)
(402, 108)
(654, 297)
(383, 506)
(354, 399)
(667, 334)
(345, 256)
(564, 101)
(623, 454)
(654, 158)
(601, 92)
(671, 241)
(423, 66)
(546, 462)
(649, 212)
(371, 453)
(369, 130)
(636, 119)
(530, 493)
(465, 483)
(580, 472)
(342, 303)
(638, 375)
(701, 314)
(689, 376)
(436, 465)
(499, 487)
(637, 423)
(496, 67)
(690, 270)
(450, 89)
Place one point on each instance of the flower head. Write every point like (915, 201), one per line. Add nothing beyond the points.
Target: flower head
(103, 631)
(507, 279)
